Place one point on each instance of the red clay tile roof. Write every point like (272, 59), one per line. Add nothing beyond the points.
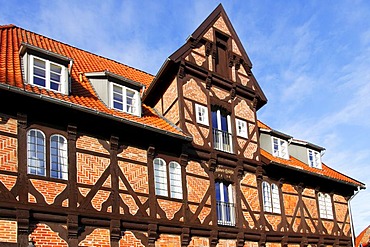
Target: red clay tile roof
(295, 163)
(263, 125)
(83, 93)
(364, 238)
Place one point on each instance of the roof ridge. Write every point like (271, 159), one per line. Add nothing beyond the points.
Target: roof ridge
(75, 47)
(7, 26)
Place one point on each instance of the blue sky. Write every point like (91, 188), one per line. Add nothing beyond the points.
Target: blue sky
(311, 58)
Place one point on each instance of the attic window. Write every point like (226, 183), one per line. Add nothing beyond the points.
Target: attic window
(45, 69)
(314, 159)
(125, 99)
(116, 91)
(280, 148)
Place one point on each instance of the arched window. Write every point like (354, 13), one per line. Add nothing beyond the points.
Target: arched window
(267, 206)
(270, 197)
(160, 177)
(40, 146)
(275, 198)
(36, 152)
(58, 157)
(175, 180)
(325, 206)
(167, 178)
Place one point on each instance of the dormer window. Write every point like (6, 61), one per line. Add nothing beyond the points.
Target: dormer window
(280, 148)
(47, 74)
(125, 99)
(45, 69)
(116, 91)
(314, 159)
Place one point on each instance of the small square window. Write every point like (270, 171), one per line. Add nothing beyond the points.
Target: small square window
(201, 114)
(241, 128)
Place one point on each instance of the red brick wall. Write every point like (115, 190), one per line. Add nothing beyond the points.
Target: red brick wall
(170, 207)
(8, 231)
(99, 237)
(198, 242)
(193, 91)
(226, 243)
(50, 190)
(8, 145)
(8, 181)
(44, 236)
(130, 240)
(167, 240)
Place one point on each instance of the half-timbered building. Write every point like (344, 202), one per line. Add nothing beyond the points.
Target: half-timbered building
(96, 153)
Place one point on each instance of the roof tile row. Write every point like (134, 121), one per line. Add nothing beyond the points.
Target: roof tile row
(83, 93)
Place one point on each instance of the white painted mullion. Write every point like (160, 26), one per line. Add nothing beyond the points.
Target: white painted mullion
(219, 133)
(47, 74)
(230, 133)
(124, 99)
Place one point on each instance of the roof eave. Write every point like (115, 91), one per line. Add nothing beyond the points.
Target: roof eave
(362, 186)
(92, 111)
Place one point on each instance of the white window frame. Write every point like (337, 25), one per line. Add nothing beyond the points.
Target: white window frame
(224, 139)
(201, 114)
(160, 177)
(282, 148)
(315, 162)
(325, 206)
(226, 208)
(135, 108)
(175, 180)
(58, 153)
(36, 152)
(241, 128)
(270, 198)
(63, 83)
(167, 174)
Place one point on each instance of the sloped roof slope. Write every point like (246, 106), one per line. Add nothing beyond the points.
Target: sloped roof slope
(364, 238)
(82, 93)
(294, 163)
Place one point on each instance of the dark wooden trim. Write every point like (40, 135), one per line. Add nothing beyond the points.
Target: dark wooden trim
(5, 244)
(72, 167)
(152, 198)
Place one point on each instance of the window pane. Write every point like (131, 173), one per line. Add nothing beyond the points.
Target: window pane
(130, 101)
(160, 177)
(275, 198)
(175, 180)
(36, 152)
(58, 157)
(55, 68)
(39, 63)
(39, 72)
(266, 197)
(117, 97)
